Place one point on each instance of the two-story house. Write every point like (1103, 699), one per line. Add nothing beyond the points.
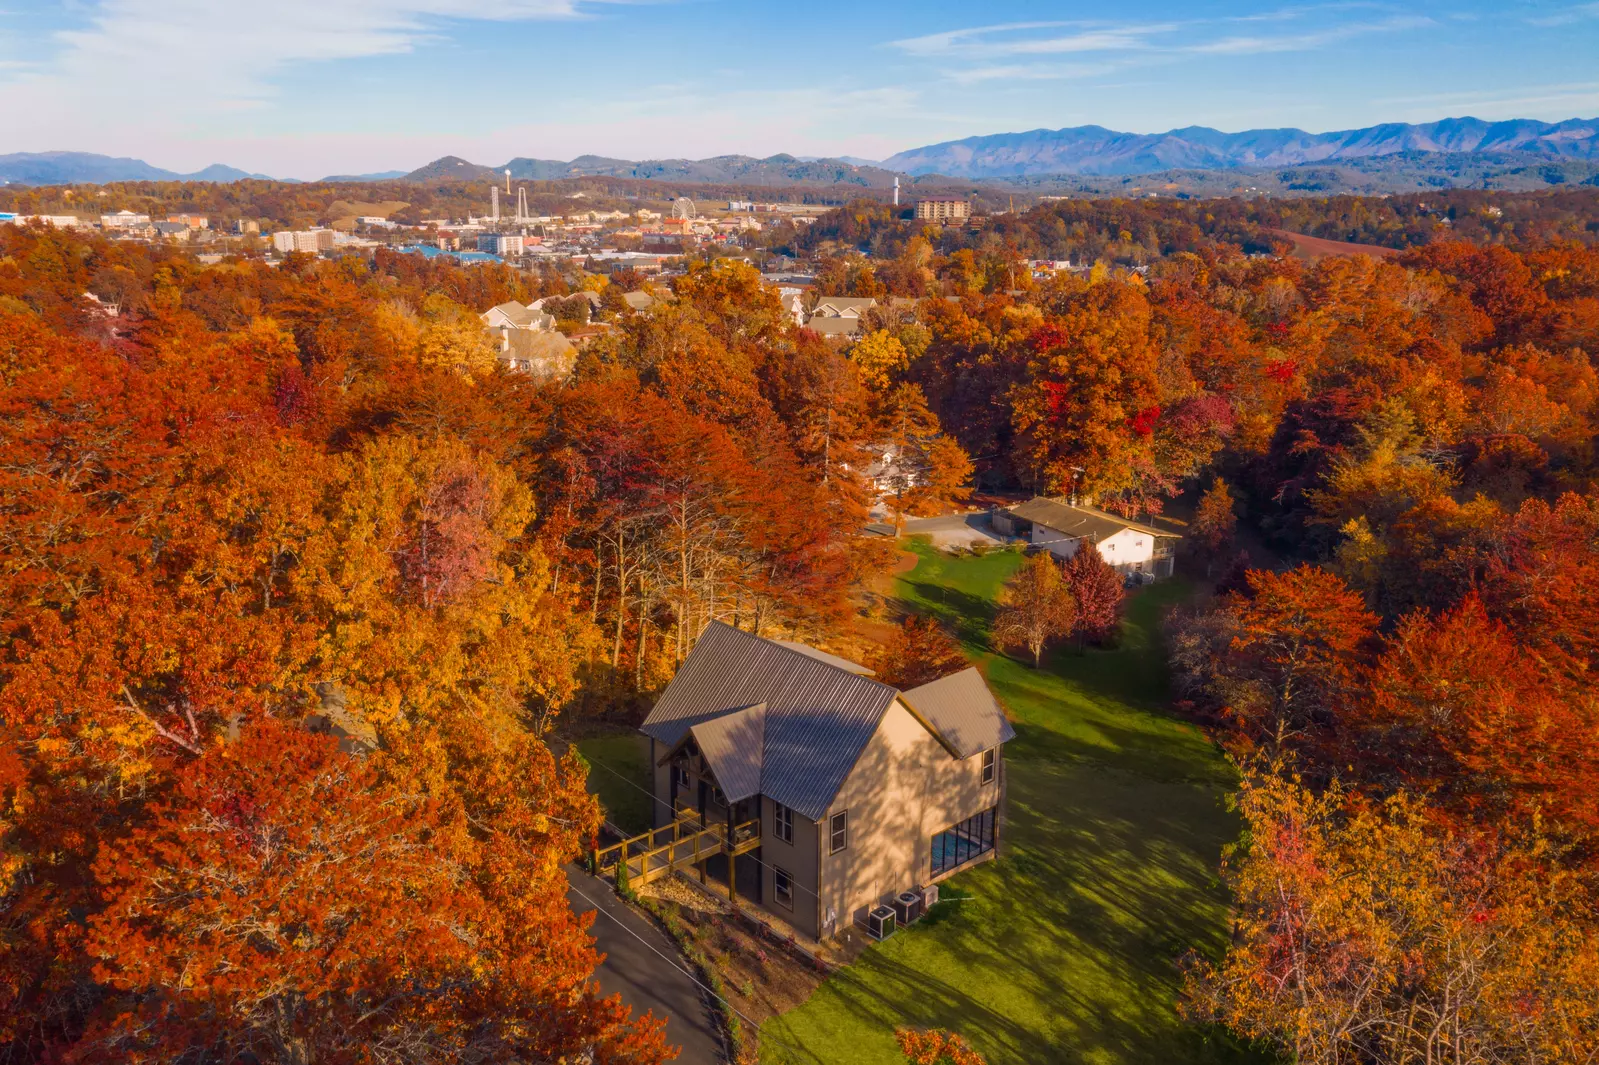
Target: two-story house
(861, 791)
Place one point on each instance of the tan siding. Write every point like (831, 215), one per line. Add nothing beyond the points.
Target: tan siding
(904, 789)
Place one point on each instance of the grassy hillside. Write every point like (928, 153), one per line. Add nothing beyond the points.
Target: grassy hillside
(1062, 951)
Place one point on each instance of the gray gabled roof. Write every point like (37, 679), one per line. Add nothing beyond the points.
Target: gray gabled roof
(963, 710)
(1079, 521)
(832, 660)
(817, 721)
(732, 744)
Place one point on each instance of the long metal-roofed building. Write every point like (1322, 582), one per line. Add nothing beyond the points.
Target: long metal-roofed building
(1063, 527)
(861, 791)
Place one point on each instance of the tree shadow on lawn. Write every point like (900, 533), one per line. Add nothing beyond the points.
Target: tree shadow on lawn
(971, 617)
(1065, 949)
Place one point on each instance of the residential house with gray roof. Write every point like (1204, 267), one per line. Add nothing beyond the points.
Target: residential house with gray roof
(861, 791)
(1063, 527)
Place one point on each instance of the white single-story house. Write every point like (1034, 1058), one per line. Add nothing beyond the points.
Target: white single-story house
(1129, 546)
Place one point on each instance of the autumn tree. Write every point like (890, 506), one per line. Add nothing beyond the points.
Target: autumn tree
(1290, 651)
(1215, 522)
(1097, 590)
(1375, 932)
(293, 902)
(1460, 709)
(1035, 608)
(925, 470)
(920, 650)
(935, 1046)
(880, 357)
(1090, 398)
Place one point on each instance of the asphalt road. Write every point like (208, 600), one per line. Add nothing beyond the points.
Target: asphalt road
(643, 966)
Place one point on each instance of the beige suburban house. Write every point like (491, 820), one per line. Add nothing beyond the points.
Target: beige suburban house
(528, 341)
(850, 791)
(1063, 527)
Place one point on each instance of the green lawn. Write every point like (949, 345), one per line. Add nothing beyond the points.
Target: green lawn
(622, 790)
(1062, 951)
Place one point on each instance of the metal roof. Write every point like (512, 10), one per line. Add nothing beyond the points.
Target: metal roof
(963, 710)
(1078, 521)
(818, 717)
(823, 656)
(733, 744)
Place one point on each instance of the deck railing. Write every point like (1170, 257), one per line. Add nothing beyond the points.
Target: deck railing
(685, 843)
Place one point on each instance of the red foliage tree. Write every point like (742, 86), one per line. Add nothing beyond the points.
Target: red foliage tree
(1098, 591)
(920, 650)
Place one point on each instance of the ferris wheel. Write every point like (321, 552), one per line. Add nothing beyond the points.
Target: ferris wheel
(683, 208)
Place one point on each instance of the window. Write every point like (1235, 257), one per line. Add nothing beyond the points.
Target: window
(988, 766)
(721, 799)
(783, 886)
(961, 843)
(783, 823)
(680, 775)
(838, 828)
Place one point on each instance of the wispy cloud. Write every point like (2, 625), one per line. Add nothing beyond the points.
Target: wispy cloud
(1032, 72)
(1305, 42)
(224, 56)
(1566, 17)
(978, 53)
(1513, 102)
(1007, 39)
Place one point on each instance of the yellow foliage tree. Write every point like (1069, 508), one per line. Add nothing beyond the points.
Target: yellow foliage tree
(881, 358)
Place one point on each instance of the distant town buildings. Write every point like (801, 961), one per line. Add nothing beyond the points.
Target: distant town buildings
(943, 209)
(500, 243)
(310, 241)
(124, 220)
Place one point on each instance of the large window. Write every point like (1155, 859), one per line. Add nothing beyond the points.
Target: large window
(783, 822)
(680, 776)
(783, 886)
(963, 842)
(838, 828)
(988, 766)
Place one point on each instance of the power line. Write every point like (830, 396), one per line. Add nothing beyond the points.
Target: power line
(686, 972)
(702, 985)
(640, 788)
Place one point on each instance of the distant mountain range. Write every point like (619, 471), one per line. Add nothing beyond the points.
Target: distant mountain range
(71, 168)
(1086, 152)
(1099, 151)
(723, 169)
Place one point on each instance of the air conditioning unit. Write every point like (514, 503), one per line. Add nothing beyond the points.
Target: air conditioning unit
(929, 897)
(880, 922)
(907, 906)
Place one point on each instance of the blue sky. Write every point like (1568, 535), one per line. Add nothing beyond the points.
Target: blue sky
(302, 88)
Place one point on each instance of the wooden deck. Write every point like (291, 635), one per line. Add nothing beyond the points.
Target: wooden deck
(686, 843)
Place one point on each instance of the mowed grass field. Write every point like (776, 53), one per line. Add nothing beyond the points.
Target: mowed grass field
(619, 775)
(1065, 950)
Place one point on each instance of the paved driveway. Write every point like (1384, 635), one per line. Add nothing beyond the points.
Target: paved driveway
(956, 530)
(643, 966)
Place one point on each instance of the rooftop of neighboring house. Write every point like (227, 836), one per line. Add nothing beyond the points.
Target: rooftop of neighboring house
(839, 327)
(517, 316)
(1078, 520)
(785, 720)
(842, 306)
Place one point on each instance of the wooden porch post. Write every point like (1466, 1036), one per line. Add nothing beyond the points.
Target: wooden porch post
(732, 863)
